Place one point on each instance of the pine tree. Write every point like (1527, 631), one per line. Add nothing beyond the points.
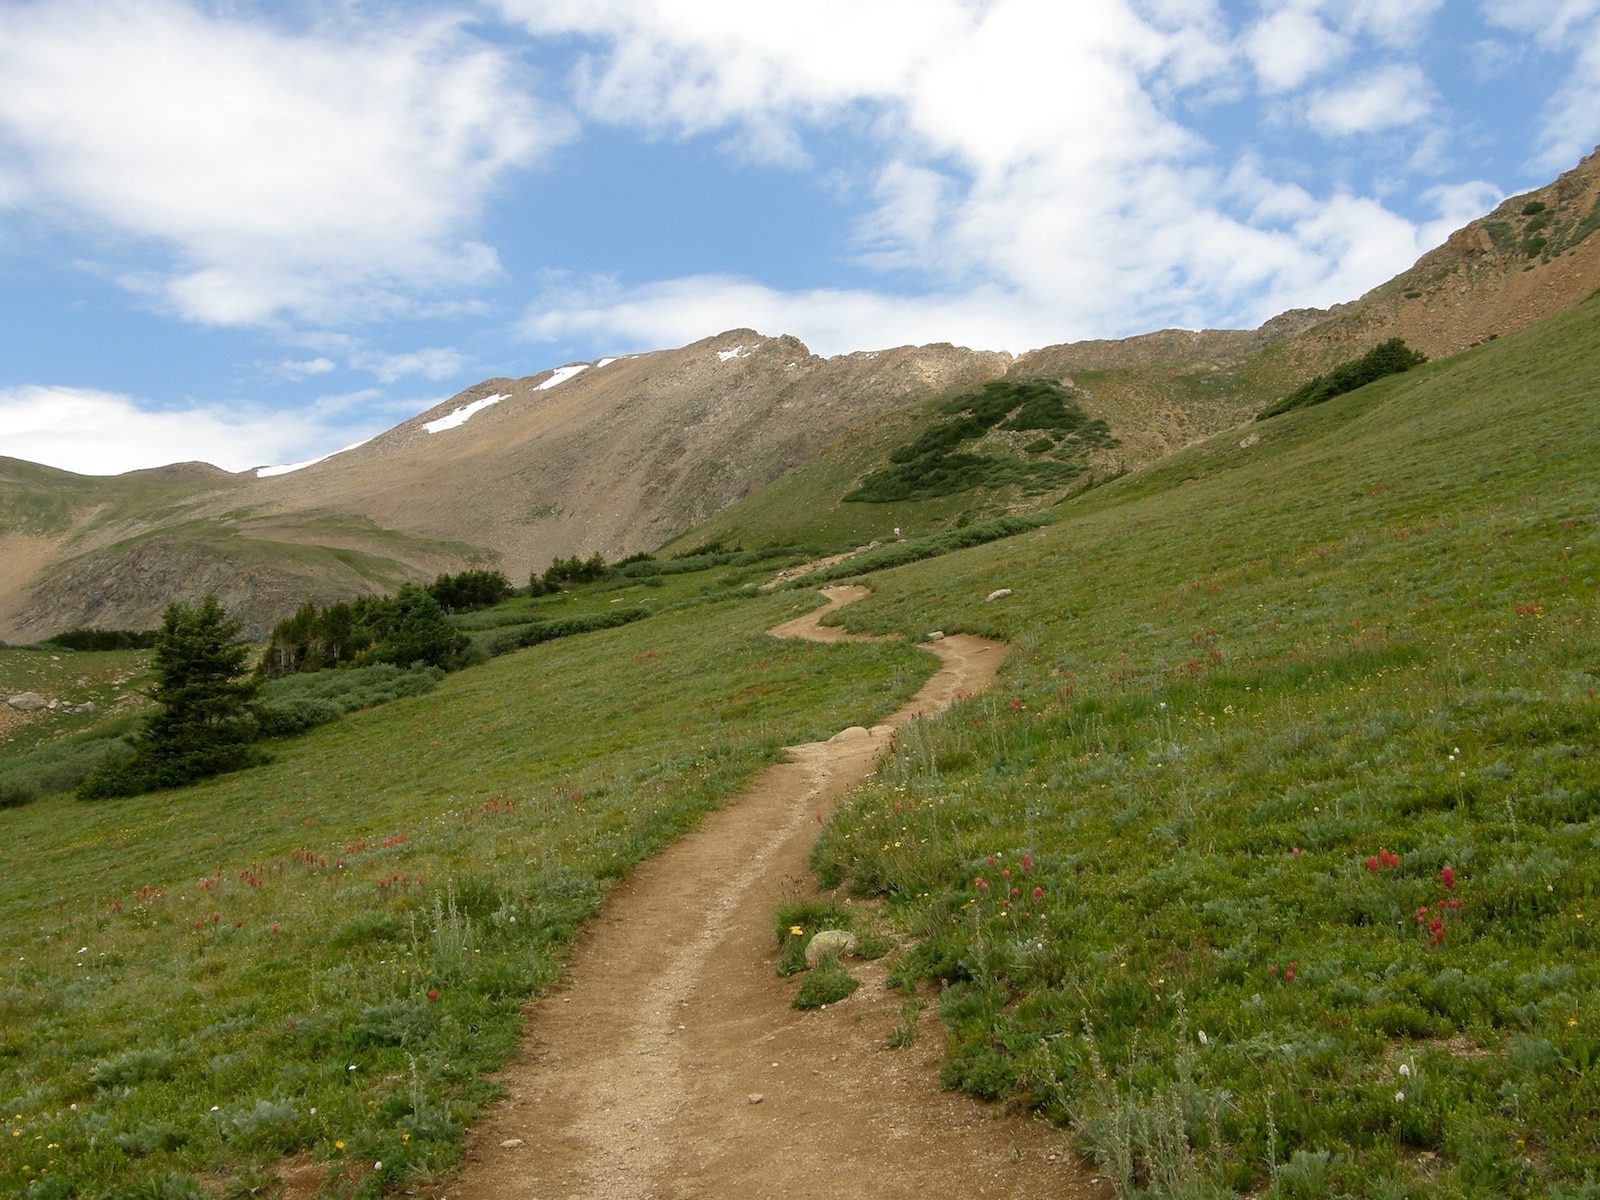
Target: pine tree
(204, 727)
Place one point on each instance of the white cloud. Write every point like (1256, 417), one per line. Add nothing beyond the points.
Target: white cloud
(1292, 45)
(106, 433)
(1548, 20)
(1032, 172)
(433, 362)
(322, 175)
(1401, 23)
(296, 370)
(1388, 98)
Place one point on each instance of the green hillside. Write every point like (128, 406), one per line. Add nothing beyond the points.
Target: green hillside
(330, 953)
(1243, 680)
(1267, 702)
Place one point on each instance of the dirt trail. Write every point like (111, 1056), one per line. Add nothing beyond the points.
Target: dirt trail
(669, 1064)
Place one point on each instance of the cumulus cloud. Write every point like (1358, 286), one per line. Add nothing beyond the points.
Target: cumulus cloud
(105, 433)
(1569, 122)
(1033, 173)
(295, 370)
(1292, 45)
(432, 362)
(1388, 98)
(322, 176)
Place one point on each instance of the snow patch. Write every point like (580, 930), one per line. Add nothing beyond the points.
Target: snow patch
(269, 472)
(462, 415)
(561, 375)
(737, 352)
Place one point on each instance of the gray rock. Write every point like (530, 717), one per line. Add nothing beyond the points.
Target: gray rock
(997, 594)
(936, 636)
(88, 706)
(28, 702)
(837, 942)
(854, 733)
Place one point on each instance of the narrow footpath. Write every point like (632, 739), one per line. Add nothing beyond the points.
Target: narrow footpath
(668, 1063)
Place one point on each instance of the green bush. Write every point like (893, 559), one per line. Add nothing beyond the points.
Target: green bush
(470, 590)
(537, 631)
(104, 639)
(826, 983)
(405, 628)
(59, 766)
(300, 702)
(1386, 358)
(935, 464)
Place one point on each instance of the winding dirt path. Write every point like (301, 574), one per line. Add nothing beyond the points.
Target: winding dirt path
(669, 1064)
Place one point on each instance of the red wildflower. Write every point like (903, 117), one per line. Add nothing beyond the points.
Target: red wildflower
(1372, 862)
(1027, 863)
(433, 993)
(1038, 893)
(1448, 878)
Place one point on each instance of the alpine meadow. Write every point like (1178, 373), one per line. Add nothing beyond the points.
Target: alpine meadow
(1269, 865)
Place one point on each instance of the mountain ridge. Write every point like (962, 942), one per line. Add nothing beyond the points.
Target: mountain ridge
(625, 454)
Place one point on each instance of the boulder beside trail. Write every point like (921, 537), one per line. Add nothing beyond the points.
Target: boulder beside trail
(837, 942)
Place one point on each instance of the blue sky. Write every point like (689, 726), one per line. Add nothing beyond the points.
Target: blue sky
(254, 233)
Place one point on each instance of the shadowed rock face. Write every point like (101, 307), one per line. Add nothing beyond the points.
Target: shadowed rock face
(620, 456)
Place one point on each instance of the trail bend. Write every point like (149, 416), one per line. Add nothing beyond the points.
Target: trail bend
(639, 1073)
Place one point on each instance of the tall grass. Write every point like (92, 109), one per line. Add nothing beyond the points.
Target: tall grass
(1300, 747)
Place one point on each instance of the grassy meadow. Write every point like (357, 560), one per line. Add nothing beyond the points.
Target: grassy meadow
(324, 957)
(1273, 861)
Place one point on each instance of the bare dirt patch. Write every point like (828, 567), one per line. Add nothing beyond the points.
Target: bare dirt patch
(669, 1063)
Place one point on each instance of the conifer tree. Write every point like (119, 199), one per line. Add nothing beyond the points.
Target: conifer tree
(203, 687)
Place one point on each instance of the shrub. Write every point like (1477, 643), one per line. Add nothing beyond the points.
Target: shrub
(104, 639)
(826, 983)
(935, 464)
(1386, 358)
(405, 628)
(60, 766)
(300, 702)
(470, 590)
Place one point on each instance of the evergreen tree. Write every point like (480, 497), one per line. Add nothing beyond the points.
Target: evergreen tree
(203, 687)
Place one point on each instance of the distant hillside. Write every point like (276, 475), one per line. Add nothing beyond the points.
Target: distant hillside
(627, 454)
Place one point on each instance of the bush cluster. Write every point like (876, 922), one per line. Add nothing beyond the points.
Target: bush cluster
(935, 464)
(296, 703)
(1386, 358)
(104, 639)
(408, 627)
(565, 572)
(470, 590)
(59, 766)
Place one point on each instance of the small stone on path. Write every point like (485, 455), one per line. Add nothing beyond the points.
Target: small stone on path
(756, 1097)
(936, 636)
(510, 1143)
